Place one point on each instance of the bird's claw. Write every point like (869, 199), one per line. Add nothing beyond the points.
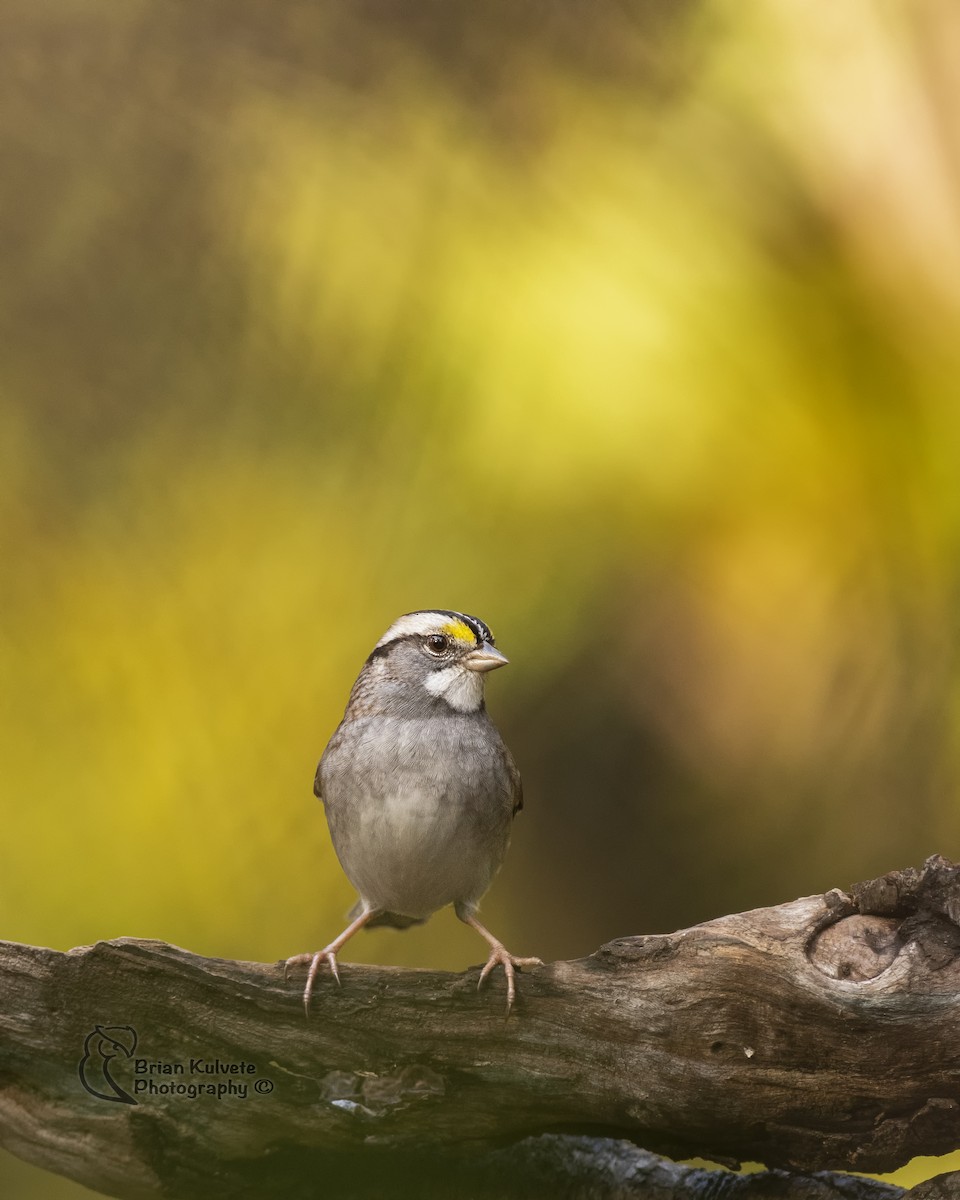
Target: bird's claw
(501, 956)
(295, 961)
(326, 954)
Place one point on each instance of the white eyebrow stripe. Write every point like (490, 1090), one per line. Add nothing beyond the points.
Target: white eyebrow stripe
(414, 623)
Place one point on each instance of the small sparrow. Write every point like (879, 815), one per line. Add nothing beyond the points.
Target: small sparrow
(419, 790)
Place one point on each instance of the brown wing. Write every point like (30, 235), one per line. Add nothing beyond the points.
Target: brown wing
(516, 784)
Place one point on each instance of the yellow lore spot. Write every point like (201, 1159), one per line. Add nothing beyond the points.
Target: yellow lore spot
(460, 631)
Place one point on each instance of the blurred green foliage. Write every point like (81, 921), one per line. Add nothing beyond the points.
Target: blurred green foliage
(630, 327)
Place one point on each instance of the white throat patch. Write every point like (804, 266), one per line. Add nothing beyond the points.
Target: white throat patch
(461, 688)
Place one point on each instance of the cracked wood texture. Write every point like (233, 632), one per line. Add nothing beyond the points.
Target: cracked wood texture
(820, 1034)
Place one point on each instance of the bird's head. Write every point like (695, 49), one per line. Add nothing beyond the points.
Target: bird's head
(446, 654)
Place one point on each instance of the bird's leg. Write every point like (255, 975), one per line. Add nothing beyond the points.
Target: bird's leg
(499, 955)
(328, 954)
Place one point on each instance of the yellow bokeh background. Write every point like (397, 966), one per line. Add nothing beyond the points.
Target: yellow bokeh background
(632, 331)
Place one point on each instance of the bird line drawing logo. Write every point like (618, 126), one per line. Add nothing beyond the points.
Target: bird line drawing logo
(100, 1047)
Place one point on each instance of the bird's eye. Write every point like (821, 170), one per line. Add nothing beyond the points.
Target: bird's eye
(437, 643)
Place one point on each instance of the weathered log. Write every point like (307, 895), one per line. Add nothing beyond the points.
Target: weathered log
(820, 1034)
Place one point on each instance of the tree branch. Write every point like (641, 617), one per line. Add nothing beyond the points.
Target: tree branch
(824, 1033)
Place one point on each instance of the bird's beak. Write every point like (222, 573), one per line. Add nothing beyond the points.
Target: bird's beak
(485, 658)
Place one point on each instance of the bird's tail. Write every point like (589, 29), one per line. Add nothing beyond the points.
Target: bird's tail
(389, 919)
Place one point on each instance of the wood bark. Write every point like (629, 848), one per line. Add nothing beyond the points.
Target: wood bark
(823, 1034)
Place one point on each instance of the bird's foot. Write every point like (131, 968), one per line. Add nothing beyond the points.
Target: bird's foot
(501, 956)
(327, 954)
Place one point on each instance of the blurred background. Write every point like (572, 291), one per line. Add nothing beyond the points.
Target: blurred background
(630, 327)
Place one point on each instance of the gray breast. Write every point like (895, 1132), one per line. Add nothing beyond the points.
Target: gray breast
(419, 810)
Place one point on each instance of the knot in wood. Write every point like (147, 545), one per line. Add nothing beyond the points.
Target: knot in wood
(629, 951)
(857, 947)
